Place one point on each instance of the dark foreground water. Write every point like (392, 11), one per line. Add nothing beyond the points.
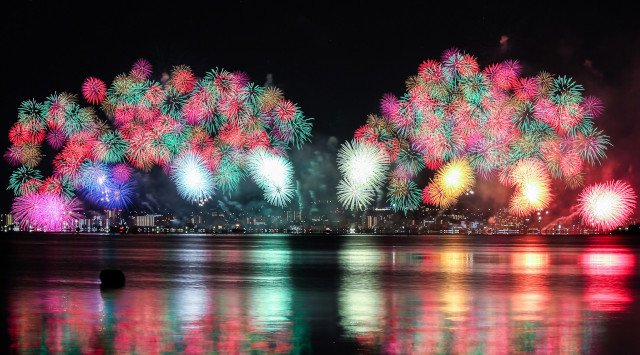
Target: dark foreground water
(322, 294)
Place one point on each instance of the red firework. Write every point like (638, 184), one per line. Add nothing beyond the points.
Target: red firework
(286, 110)
(258, 139)
(430, 71)
(607, 205)
(18, 134)
(232, 135)
(51, 184)
(366, 134)
(467, 65)
(526, 88)
(94, 90)
(183, 79)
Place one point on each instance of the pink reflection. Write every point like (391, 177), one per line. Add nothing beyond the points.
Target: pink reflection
(493, 300)
(607, 273)
(608, 263)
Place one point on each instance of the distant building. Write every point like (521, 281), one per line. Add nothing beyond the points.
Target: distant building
(148, 220)
(83, 224)
(372, 221)
(6, 219)
(293, 216)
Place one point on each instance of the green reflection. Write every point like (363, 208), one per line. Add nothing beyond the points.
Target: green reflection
(360, 302)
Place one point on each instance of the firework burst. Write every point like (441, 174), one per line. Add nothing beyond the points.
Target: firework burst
(201, 131)
(94, 90)
(607, 205)
(45, 211)
(362, 164)
(274, 174)
(533, 187)
(192, 178)
(492, 119)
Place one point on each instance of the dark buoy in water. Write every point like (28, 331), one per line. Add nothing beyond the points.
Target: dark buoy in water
(111, 279)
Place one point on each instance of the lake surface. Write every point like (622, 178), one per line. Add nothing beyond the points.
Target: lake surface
(322, 294)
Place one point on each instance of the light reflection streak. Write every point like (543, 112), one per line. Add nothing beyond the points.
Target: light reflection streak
(526, 305)
(408, 299)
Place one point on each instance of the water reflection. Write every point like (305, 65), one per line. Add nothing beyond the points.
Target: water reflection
(524, 298)
(389, 295)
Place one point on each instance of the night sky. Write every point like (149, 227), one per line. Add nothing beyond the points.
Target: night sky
(336, 62)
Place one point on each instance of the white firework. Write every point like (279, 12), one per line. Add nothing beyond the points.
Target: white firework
(363, 167)
(354, 196)
(192, 178)
(273, 174)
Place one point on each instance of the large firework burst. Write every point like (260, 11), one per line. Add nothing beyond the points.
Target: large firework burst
(201, 130)
(46, 211)
(192, 178)
(607, 205)
(464, 120)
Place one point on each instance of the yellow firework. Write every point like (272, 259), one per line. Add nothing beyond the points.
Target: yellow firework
(434, 195)
(455, 177)
(533, 187)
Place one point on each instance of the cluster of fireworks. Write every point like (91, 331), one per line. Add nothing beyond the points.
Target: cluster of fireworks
(207, 133)
(465, 121)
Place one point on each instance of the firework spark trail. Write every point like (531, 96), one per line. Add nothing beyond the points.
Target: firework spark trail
(206, 127)
(573, 212)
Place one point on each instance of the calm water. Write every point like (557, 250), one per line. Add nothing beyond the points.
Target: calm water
(280, 294)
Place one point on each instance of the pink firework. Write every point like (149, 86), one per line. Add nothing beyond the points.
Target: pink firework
(141, 69)
(121, 172)
(239, 80)
(141, 152)
(94, 90)
(230, 106)
(13, 155)
(389, 106)
(45, 211)
(571, 164)
(124, 114)
(154, 94)
(56, 138)
(607, 205)
(196, 109)
(592, 106)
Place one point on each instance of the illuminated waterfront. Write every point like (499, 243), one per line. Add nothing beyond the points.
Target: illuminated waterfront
(433, 294)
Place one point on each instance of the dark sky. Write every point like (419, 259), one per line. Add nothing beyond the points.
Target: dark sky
(334, 61)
